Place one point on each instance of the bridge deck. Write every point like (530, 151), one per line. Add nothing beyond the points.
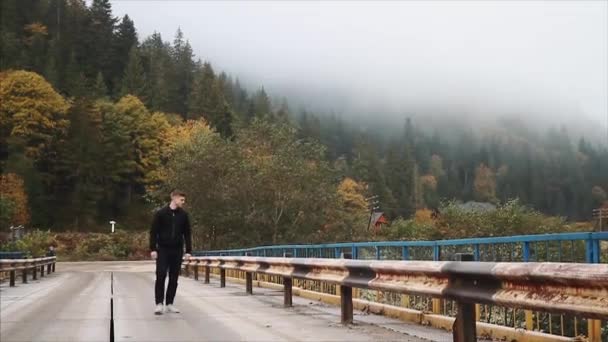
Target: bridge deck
(74, 305)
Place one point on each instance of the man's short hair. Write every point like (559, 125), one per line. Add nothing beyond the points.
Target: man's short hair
(178, 193)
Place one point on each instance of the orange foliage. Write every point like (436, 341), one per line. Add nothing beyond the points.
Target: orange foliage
(423, 216)
(11, 187)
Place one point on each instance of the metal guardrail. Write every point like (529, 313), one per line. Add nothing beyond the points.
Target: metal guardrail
(566, 288)
(25, 265)
(12, 255)
(563, 247)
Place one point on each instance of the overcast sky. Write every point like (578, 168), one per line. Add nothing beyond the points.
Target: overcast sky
(482, 56)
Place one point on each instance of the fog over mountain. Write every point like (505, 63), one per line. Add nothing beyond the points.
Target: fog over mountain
(543, 62)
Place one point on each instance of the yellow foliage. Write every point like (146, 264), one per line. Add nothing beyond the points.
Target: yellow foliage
(36, 28)
(351, 193)
(180, 135)
(31, 110)
(11, 188)
(485, 183)
(429, 182)
(423, 216)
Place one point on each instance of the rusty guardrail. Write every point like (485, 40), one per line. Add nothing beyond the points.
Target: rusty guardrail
(566, 288)
(24, 265)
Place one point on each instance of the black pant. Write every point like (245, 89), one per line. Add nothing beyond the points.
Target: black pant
(168, 260)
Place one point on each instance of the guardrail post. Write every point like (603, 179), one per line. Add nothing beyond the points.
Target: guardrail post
(287, 292)
(35, 273)
(196, 270)
(24, 276)
(53, 266)
(464, 329)
(594, 326)
(187, 269)
(437, 303)
(207, 271)
(222, 277)
(464, 325)
(12, 281)
(48, 268)
(346, 297)
(249, 283)
(249, 276)
(41, 271)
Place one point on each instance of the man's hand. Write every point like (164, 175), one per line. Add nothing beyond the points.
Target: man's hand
(153, 255)
(187, 256)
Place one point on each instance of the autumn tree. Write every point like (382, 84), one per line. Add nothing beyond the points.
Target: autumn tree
(14, 204)
(32, 113)
(485, 184)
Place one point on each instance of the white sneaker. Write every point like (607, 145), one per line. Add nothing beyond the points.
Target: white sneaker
(172, 309)
(158, 310)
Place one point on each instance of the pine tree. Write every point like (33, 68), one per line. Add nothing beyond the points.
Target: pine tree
(207, 100)
(159, 69)
(126, 39)
(100, 40)
(262, 104)
(182, 74)
(134, 81)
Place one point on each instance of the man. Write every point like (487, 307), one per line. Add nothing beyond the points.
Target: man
(170, 229)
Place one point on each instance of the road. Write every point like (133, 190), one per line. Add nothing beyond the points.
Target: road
(74, 304)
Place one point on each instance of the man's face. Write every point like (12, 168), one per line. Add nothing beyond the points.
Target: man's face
(179, 201)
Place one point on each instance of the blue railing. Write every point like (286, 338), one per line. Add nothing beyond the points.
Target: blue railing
(12, 255)
(564, 247)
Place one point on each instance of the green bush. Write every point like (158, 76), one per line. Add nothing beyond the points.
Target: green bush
(120, 245)
(454, 222)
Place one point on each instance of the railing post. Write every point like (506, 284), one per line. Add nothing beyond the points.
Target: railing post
(24, 276)
(12, 281)
(187, 269)
(53, 266)
(35, 273)
(249, 283)
(249, 277)
(526, 251)
(436, 253)
(529, 320)
(222, 277)
(464, 329)
(464, 325)
(594, 326)
(287, 292)
(346, 297)
(207, 271)
(48, 268)
(405, 253)
(41, 271)
(437, 303)
(196, 270)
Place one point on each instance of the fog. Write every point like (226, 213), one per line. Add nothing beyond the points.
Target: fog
(543, 61)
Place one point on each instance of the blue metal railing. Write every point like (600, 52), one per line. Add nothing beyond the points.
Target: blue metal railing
(563, 247)
(12, 255)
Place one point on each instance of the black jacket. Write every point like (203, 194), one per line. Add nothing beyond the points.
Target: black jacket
(169, 230)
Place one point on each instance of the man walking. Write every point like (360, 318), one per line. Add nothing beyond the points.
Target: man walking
(170, 229)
